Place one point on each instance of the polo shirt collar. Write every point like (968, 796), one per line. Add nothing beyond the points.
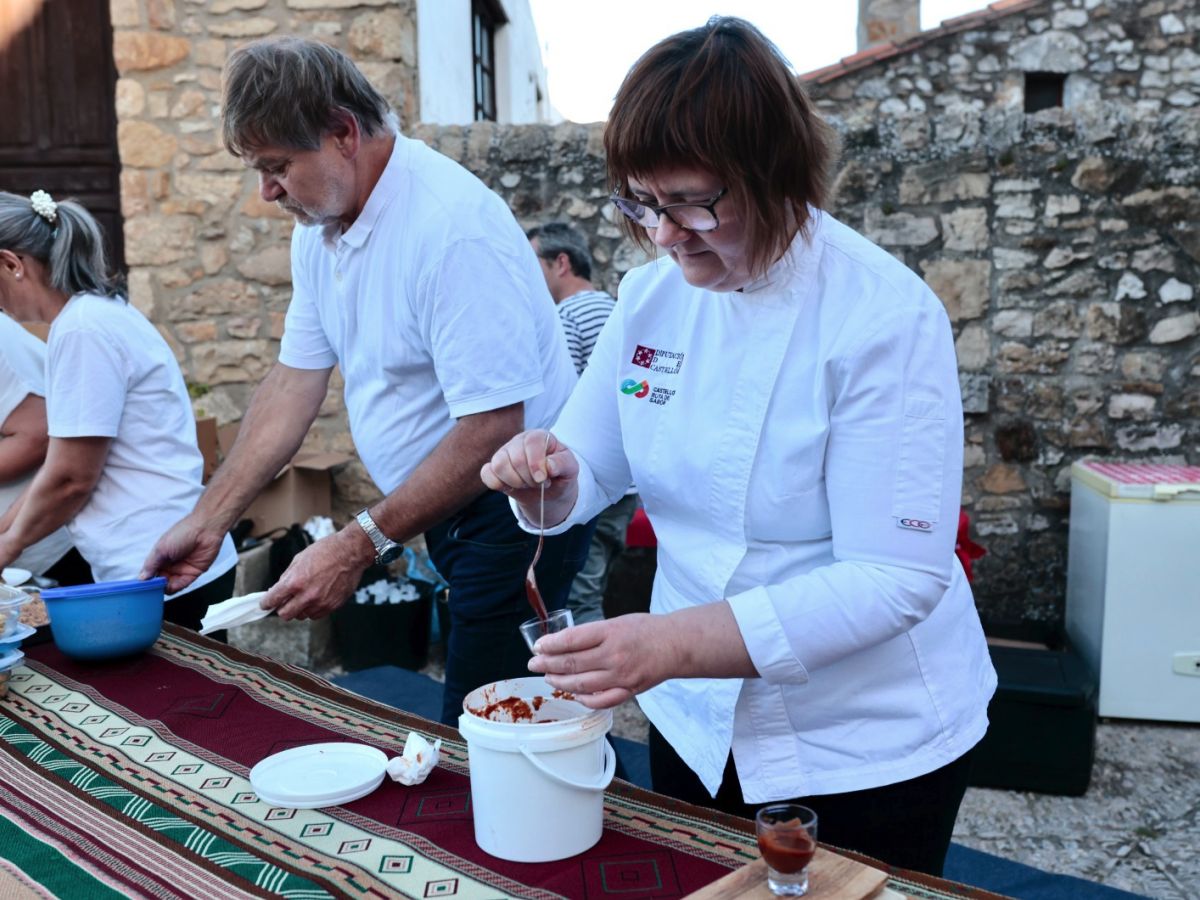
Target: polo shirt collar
(390, 183)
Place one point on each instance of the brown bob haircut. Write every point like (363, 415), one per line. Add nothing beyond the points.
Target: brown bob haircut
(723, 98)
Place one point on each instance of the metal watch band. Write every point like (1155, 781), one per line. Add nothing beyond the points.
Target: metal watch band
(385, 548)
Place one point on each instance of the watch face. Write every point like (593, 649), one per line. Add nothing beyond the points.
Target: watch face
(391, 553)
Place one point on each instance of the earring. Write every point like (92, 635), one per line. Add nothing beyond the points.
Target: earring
(17, 276)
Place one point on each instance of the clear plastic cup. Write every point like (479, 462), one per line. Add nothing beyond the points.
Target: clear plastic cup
(787, 838)
(559, 620)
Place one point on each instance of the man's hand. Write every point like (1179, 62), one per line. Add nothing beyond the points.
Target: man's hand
(183, 554)
(323, 576)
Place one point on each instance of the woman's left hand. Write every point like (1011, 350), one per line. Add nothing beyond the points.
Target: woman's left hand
(605, 663)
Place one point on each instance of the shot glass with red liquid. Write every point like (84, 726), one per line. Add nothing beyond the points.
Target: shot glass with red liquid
(787, 839)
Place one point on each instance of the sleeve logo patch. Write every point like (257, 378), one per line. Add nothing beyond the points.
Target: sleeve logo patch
(914, 524)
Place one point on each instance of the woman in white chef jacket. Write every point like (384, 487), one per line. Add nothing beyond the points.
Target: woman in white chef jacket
(785, 396)
(23, 442)
(122, 463)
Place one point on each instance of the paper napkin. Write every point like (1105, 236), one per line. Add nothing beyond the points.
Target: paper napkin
(234, 611)
(416, 762)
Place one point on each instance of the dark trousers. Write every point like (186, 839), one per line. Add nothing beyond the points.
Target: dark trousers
(71, 570)
(189, 609)
(907, 824)
(483, 554)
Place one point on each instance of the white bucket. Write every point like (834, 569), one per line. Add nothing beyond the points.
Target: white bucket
(537, 784)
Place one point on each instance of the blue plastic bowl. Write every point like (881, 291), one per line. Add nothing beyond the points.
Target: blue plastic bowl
(106, 620)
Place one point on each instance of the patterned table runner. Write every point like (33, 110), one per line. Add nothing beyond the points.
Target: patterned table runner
(131, 779)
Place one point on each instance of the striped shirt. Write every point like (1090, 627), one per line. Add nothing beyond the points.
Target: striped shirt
(583, 315)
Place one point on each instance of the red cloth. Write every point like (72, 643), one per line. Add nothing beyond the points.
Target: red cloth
(640, 532)
(968, 551)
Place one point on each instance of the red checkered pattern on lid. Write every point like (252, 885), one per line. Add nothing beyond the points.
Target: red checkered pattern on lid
(1145, 473)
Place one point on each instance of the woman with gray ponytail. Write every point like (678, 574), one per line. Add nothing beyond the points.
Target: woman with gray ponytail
(122, 464)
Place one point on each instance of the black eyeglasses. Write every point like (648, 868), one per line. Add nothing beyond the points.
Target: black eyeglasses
(692, 216)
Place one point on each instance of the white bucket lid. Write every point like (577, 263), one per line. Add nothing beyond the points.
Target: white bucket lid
(318, 775)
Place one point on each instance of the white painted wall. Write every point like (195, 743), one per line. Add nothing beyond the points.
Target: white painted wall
(445, 65)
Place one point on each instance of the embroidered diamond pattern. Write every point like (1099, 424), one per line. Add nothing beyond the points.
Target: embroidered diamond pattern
(245, 797)
(75, 707)
(355, 846)
(136, 740)
(215, 784)
(630, 876)
(36, 689)
(163, 756)
(57, 698)
(316, 829)
(186, 768)
(94, 720)
(109, 732)
(395, 865)
(277, 812)
(210, 706)
(445, 888)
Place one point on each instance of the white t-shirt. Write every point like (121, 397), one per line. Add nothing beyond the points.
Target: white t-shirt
(109, 373)
(434, 306)
(23, 372)
(798, 448)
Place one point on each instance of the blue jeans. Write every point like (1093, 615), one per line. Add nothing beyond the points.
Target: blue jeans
(483, 554)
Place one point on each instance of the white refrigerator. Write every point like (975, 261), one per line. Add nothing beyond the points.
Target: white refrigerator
(1133, 586)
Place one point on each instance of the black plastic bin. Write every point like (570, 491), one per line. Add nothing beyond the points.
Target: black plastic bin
(1042, 731)
(384, 634)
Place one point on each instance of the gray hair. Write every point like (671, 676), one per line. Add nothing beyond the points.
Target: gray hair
(71, 247)
(288, 92)
(558, 237)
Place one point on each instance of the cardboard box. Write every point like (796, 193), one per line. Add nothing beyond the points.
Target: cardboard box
(302, 489)
(206, 440)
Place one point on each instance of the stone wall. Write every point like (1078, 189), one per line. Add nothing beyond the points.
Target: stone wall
(1065, 245)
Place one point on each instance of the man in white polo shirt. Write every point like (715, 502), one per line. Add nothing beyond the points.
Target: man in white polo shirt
(404, 266)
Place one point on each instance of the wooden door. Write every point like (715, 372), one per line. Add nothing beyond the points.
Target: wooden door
(59, 131)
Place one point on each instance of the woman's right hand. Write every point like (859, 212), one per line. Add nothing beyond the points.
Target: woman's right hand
(520, 467)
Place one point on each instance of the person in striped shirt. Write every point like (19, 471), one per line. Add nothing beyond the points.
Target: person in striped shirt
(567, 266)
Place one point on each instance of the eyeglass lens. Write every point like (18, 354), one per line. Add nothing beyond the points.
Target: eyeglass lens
(693, 218)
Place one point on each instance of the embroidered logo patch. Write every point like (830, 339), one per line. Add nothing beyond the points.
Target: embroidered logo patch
(914, 524)
(665, 362)
(635, 388)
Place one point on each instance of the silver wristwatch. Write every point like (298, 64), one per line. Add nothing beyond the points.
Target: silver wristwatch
(386, 549)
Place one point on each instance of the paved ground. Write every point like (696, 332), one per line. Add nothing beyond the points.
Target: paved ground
(1137, 828)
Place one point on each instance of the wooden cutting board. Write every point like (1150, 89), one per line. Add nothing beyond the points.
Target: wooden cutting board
(829, 876)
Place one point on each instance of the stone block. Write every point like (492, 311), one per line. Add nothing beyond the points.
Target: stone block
(137, 51)
(1175, 328)
(976, 392)
(216, 298)
(1175, 291)
(942, 183)
(1138, 407)
(255, 26)
(232, 361)
(156, 240)
(899, 229)
(965, 228)
(961, 284)
(270, 266)
(144, 145)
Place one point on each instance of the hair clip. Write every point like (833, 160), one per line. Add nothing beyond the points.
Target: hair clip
(44, 206)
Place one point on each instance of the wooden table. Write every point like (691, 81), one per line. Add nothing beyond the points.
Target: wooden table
(129, 778)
